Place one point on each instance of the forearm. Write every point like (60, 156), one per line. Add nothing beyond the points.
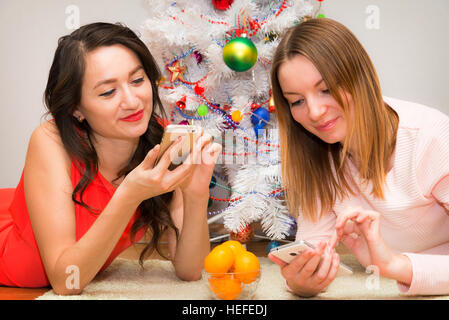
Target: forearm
(400, 269)
(90, 252)
(193, 244)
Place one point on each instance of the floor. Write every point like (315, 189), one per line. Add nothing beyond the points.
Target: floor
(258, 247)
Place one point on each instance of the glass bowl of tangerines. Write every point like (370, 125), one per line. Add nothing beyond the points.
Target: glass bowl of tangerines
(231, 272)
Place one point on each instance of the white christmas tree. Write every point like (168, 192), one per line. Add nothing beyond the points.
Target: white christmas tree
(215, 57)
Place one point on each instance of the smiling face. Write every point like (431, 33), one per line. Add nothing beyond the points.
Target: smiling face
(116, 94)
(310, 101)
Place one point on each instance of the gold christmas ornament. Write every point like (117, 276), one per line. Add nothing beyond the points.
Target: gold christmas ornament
(177, 71)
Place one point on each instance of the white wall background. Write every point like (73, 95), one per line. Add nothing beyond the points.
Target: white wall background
(410, 50)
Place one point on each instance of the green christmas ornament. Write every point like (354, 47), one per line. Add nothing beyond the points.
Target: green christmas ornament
(240, 54)
(202, 110)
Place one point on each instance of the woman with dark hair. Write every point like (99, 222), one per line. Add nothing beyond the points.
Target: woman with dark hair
(91, 186)
(358, 167)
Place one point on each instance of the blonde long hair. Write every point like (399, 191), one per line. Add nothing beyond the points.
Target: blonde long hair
(313, 171)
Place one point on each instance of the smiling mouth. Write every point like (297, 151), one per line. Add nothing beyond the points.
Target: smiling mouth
(134, 117)
(327, 125)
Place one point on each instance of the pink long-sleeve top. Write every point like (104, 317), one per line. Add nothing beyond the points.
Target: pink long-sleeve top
(415, 211)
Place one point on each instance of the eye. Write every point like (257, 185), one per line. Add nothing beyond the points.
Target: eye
(107, 93)
(138, 80)
(326, 91)
(298, 102)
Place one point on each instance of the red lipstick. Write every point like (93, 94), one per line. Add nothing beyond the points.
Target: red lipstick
(134, 117)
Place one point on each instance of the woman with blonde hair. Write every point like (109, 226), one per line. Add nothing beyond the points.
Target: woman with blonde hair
(358, 167)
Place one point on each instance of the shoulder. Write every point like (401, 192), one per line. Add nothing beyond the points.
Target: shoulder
(417, 116)
(423, 134)
(45, 148)
(421, 127)
(46, 132)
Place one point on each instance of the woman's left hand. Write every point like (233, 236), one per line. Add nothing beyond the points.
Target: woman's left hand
(204, 156)
(359, 230)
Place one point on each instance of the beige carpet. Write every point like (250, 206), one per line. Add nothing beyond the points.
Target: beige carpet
(124, 280)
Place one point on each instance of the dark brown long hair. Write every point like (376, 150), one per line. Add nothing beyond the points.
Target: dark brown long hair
(307, 161)
(62, 97)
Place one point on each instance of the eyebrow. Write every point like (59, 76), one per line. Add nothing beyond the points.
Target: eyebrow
(316, 85)
(106, 81)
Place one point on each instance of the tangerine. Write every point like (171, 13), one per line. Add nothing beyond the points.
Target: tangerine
(219, 260)
(236, 246)
(226, 287)
(246, 267)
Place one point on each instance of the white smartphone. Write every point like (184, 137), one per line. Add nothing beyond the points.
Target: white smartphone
(289, 251)
(171, 133)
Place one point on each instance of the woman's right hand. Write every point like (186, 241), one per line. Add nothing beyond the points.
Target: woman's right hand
(305, 275)
(148, 180)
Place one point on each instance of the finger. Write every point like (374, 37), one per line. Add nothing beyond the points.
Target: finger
(171, 154)
(182, 172)
(201, 145)
(196, 146)
(211, 154)
(334, 240)
(363, 215)
(277, 261)
(349, 241)
(368, 214)
(349, 227)
(310, 267)
(333, 271)
(348, 213)
(342, 218)
(150, 158)
(290, 270)
(323, 270)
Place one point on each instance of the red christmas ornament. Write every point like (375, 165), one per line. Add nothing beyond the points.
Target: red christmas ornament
(181, 103)
(254, 106)
(198, 90)
(222, 4)
(244, 235)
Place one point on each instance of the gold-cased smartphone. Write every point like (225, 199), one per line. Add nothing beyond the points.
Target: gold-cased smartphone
(171, 133)
(289, 251)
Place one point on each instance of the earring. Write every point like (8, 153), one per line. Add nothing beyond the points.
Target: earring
(80, 119)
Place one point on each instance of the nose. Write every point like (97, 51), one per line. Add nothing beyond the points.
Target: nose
(129, 99)
(317, 109)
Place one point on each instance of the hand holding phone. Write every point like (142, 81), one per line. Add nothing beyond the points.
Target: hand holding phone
(290, 251)
(171, 134)
(309, 273)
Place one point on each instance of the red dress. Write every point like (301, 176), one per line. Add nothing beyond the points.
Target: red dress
(20, 261)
